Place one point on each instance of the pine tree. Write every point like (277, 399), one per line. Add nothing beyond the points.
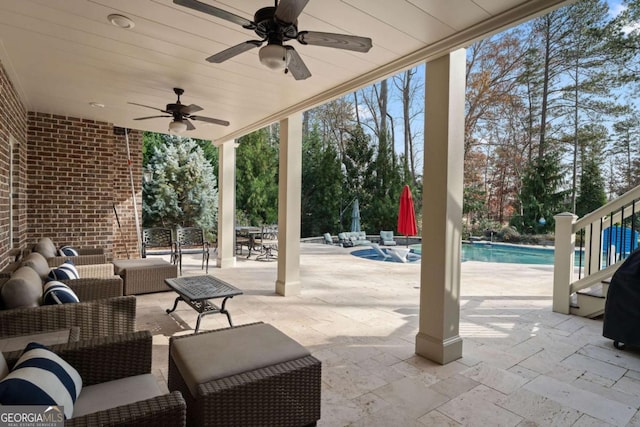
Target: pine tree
(540, 197)
(183, 190)
(321, 186)
(257, 178)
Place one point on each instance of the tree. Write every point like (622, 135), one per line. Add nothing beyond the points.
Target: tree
(257, 178)
(626, 152)
(409, 88)
(321, 186)
(540, 198)
(183, 190)
(591, 195)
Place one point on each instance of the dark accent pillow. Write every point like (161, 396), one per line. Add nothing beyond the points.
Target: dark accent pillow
(58, 293)
(65, 271)
(67, 251)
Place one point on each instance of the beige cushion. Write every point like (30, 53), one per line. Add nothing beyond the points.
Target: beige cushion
(38, 262)
(209, 356)
(46, 247)
(120, 266)
(23, 289)
(98, 397)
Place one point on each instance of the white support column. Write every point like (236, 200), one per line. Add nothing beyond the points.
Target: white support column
(564, 261)
(289, 202)
(226, 205)
(438, 337)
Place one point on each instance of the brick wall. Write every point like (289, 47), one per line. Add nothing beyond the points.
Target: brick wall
(70, 176)
(13, 127)
(77, 176)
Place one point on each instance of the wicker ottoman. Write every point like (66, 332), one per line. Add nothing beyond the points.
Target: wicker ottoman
(141, 276)
(249, 375)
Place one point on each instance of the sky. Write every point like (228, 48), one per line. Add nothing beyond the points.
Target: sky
(615, 7)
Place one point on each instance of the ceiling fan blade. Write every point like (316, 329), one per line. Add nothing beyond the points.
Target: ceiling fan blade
(338, 41)
(190, 125)
(147, 106)
(149, 117)
(296, 65)
(190, 109)
(289, 10)
(233, 51)
(210, 120)
(217, 12)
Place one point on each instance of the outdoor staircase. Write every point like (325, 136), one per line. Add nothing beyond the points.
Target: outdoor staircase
(585, 295)
(589, 302)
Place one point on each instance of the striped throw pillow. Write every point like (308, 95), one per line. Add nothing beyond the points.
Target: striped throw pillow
(67, 251)
(58, 293)
(65, 271)
(41, 377)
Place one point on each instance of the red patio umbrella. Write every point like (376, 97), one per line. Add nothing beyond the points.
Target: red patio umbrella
(406, 214)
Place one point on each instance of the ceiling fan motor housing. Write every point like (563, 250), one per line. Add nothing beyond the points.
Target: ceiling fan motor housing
(269, 28)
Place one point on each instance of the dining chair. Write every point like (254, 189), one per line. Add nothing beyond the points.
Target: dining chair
(268, 243)
(190, 240)
(158, 241)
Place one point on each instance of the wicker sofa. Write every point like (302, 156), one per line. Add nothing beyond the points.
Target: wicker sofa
(102, 310)
(51, 252)
(118, 388)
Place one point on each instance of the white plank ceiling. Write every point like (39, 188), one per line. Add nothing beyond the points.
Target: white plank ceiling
(62, 55)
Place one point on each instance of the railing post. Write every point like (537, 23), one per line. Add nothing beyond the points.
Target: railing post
(564, 259)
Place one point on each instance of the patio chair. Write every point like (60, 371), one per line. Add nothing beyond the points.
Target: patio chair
(118, 388)
(268, 242)
(330, 240)
(386, 238)
(190, 240)
(158, 241)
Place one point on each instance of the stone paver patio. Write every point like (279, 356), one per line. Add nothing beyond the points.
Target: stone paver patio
(522, 364)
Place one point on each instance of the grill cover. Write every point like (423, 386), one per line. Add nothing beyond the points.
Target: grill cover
(622, 307)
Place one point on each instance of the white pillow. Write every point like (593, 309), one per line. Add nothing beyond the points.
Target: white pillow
(41, 377)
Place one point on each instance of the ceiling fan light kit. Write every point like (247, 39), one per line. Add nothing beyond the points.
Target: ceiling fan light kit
(177, 126)
(273, 56)
(276, 25)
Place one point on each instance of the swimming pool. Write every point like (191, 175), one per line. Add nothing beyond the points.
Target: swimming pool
(505, 253)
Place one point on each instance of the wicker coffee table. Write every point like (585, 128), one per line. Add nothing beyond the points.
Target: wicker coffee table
(196, 291)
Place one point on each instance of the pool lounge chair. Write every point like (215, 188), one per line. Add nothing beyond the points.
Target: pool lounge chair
(386, 238)
(379, 251)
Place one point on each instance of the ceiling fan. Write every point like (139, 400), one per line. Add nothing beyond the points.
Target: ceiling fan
(182, 114)
(276, 25)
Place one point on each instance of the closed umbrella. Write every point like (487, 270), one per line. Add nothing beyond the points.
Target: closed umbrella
(406, 214)
(355, 216)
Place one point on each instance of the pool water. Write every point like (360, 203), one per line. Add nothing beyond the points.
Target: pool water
(505, 253)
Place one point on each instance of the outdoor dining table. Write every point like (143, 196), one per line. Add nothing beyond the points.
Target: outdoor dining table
(252, 232)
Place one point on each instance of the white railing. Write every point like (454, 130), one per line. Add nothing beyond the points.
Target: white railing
(599, 255)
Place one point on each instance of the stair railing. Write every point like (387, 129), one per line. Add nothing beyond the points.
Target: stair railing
(598, 255)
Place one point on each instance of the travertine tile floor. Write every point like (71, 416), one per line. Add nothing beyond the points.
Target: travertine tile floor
(522, 364)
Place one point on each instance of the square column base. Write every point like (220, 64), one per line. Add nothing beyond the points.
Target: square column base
(288, 289)
(227, 262)
(439, 351)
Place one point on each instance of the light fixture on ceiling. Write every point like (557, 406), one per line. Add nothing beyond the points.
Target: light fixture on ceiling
(273, 56)
(96, 104)
(121, 21)
(177, 126)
